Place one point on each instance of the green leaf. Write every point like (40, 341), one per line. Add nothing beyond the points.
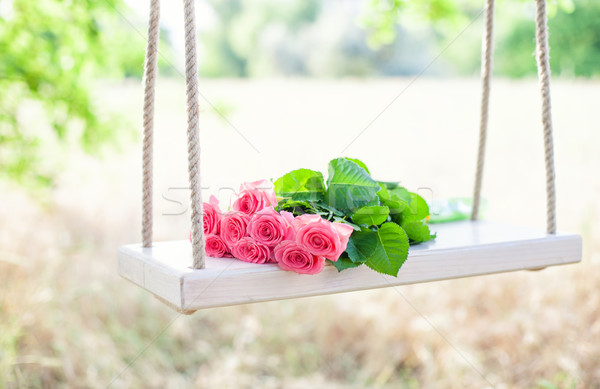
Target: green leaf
(392, 201)
(360, 163)
(371, 215)
(349, 186)
(396, 205)
(342, 220)
(383, 250)
(374, 201)
(361, 244)
(383, 193)
(301, 184)
(418, 206)
(390, 184)
(297, 207)
(416, 210)
(417, 231)
(401, 192)
(344, 263)
(323, 207)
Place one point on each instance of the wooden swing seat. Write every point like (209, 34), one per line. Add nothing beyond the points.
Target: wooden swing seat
(461, 249)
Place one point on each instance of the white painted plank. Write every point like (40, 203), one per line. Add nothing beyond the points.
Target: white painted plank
(461, 249)
(150, 268)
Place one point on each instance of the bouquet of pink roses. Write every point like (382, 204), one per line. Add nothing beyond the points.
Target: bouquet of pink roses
(303, 220)
(253, 231)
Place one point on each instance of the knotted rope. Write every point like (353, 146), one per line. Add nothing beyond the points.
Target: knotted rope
(193, 139)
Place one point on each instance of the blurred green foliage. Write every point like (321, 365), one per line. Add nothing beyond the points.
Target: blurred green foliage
(573, 24)
(317, 38)
(382, 17)
(235, 40)
(574, 43)
(53, 53)
(50, 50)
(397, 37)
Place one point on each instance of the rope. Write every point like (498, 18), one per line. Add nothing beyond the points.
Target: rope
(191, 82)
(149, 80)
(486, 74)
(544, 79)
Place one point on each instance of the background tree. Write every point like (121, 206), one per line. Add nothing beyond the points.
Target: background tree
(55, 52)
(574, 33)
(574, 43)
(52, 54)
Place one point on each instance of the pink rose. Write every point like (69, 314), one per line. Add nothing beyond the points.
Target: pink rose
(289, 217)
(321, 237)
(254, 196)
(292, 257)
(249, 250)
(270, 228)
(211, 216)
(215, 246)
(344, 232)
(302, 220)
(233, 227)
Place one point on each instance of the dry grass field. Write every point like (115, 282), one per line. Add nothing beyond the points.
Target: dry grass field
(68, 320)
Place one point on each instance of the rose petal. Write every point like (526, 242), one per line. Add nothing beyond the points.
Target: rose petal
(292, 257)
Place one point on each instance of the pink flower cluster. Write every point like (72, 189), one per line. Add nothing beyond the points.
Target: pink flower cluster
(254, 232)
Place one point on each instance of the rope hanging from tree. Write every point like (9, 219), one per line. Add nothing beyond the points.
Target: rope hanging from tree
(191, 80)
